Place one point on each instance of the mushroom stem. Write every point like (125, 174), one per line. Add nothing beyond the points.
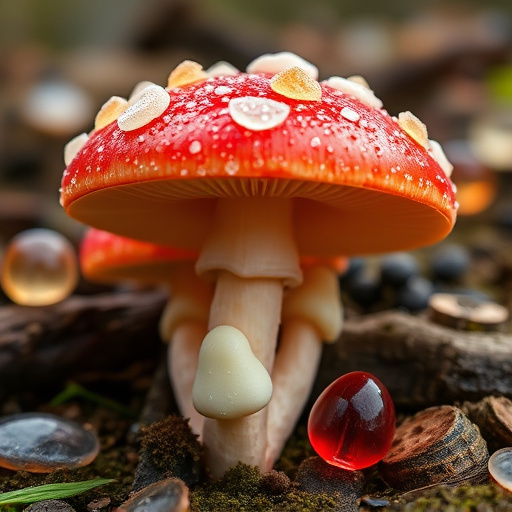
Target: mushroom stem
(252, 255)
(182, 355)
(183, 325)
(311, 313)
(295, 368)
(254, 307)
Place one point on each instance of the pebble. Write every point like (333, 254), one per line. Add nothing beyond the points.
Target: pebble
(317, 477)
(50, 506)
(500, 467)
(42, 443)
(397, 268)
(450, 262)
(415, 293)
(169, 495)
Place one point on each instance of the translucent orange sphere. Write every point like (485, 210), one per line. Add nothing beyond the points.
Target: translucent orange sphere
(39, 268)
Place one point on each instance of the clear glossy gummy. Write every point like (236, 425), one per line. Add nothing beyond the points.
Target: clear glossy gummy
(352, 423)
(39, 268)
(500, 467)
(42, 443)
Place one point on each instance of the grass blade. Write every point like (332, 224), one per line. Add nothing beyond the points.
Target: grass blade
(50, 491)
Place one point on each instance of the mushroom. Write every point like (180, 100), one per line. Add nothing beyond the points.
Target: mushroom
(311, 313)
(110, 259)
(253, 170)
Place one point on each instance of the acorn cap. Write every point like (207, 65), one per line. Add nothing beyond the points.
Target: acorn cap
(362, 181)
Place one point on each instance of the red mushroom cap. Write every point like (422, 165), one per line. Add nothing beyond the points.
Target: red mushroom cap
(109, 258)
(361, 184)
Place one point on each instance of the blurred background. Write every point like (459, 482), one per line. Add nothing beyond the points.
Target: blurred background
(449, 62)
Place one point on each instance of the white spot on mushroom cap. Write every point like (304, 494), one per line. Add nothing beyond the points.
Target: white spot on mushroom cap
(350, 114)
(256, 113)
(354, 88)
(145, 106)
(437, 153)
(222, 89)
(230, 381)
(195, 147)
(274, 63)
(222, 68)
(72, 148)
(140, 87)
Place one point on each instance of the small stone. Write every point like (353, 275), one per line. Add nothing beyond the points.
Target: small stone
(414, 294)
(50, 506)
(99, 504)
(296, 84)
(374, 502)
(397, 267)
(42, 443)
(500, 467)
(450, 262)
(170, 495)
(317, 477)
(186, 73)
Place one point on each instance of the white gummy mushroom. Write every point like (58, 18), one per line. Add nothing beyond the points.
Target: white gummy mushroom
(231, 382)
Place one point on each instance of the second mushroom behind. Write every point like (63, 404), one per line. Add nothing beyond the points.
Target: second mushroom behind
(111, 259)
(253, 170)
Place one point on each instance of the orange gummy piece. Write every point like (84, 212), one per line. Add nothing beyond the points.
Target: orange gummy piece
(186, 73)
(296, 84)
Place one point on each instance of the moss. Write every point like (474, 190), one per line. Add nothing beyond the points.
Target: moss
(244, 489)
(470, 498)
(238, 490)
(181, 444)
(169, 448)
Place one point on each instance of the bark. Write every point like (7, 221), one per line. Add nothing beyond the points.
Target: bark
(421, 363)
(45, 346)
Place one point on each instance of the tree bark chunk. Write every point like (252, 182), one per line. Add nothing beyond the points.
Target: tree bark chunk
(421, 363)
(41, 347)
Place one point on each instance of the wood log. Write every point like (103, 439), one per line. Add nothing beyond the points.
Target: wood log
(421, 363)
(44, 346)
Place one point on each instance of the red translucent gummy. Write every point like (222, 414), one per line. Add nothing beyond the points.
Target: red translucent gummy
(352, 423)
